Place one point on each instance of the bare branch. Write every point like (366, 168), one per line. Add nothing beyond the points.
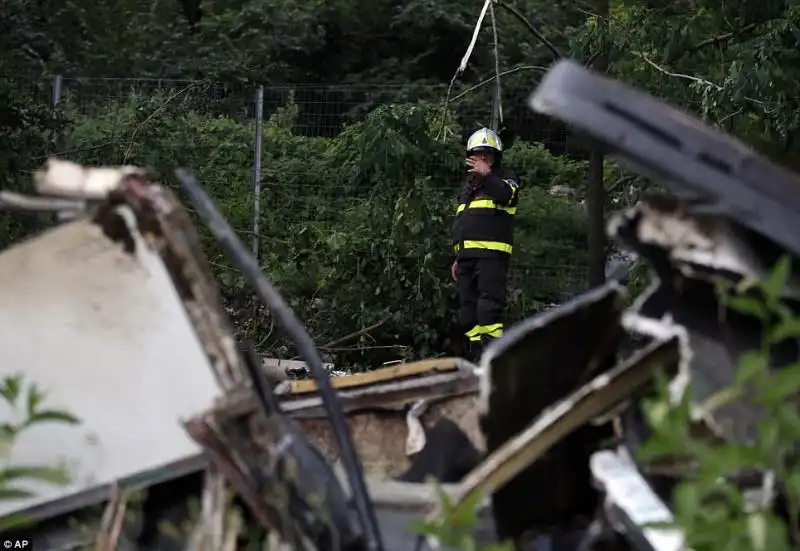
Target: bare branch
(491, 79)
(350, 336)
(152, 115)
(521, 18)
(698, 80)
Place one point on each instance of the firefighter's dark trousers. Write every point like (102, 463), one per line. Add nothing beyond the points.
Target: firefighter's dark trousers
(482, 295)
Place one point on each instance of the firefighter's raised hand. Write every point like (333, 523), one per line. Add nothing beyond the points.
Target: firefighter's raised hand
(477, 165)
(454, 270)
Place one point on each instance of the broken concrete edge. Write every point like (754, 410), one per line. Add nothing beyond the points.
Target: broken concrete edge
(391, 396)
(699, 246)
(164, 223)
(67, 179)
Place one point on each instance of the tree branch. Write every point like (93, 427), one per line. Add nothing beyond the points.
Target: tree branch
(521, 18)
(619, 183)
(350, 336)
(493, 77)
(698, 80)
(719, 39)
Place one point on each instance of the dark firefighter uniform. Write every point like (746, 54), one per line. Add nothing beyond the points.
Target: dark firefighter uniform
(483, 236)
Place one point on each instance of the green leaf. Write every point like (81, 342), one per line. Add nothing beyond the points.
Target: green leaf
(53, 416)
(768, 436)
(745, 285)
(757, 530)
(783, 383)
(788, 328)
(8, 431)
(687, 499)
(53, 475)
(35, 397)
(11, 388)
(780, 275)
(752, 364)
(14, 522)
(8, 493)
(788, 419)
(776, 534)
(793, 486)
(749, 305)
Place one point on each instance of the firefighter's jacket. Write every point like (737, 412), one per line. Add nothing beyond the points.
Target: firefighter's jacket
(484, 224)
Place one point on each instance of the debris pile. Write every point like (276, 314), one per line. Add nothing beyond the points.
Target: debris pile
(548, 428)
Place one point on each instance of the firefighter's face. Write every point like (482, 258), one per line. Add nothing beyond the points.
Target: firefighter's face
(486, 156)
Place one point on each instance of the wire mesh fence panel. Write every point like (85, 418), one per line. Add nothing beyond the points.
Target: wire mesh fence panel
(330, 155)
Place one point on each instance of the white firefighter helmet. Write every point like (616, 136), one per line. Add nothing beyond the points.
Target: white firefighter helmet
(484, 139)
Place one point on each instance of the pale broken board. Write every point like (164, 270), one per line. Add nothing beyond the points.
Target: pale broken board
(104, 332)
(380, 375)
(628, 492)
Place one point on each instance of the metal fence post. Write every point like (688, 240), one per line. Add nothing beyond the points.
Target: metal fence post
(54, 101)
(257, 168)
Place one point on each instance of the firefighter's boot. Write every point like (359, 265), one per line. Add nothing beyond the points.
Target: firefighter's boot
(475, 351)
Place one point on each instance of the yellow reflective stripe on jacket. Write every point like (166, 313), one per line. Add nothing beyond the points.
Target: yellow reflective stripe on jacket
(485, 204)
(489, 245)
(514, 187)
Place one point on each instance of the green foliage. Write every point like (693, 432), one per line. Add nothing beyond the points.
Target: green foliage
(353, 229)
(454, 530)
(712, 510)
(24, 141)
(639, 279)
(26, 405)
(734, 64)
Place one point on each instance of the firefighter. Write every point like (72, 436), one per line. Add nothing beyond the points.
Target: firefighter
(482, 240)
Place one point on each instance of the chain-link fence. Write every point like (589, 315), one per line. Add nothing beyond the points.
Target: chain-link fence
(113, 121)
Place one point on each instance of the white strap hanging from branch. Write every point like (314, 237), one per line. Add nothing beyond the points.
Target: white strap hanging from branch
(475, 33)
(464, 60)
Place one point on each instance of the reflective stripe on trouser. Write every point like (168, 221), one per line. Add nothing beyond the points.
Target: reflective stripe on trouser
(482, 296)
(495, 330)
(487, 245)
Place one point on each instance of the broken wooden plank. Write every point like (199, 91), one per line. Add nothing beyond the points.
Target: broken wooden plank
(381, 375)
